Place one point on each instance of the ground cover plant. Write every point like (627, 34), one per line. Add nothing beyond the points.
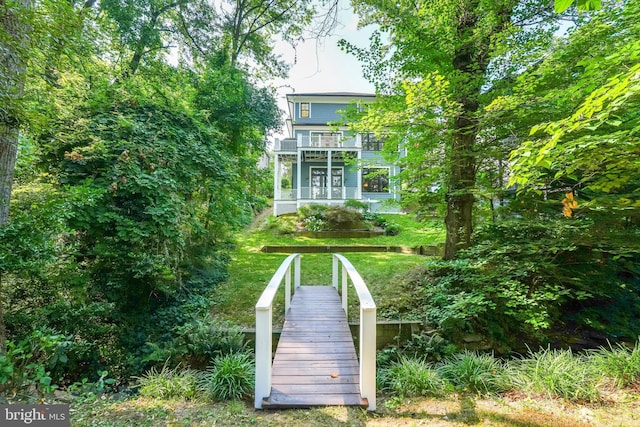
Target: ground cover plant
(469, 389)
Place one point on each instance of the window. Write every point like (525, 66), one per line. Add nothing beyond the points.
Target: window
(325, 139)
(305, 110)
(375, 180)
(371, 143)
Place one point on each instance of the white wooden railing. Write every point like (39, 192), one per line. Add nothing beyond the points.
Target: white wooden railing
(367, 324)
(264, 323)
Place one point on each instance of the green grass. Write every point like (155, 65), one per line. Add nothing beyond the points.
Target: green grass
(386, 274)
(412, 233)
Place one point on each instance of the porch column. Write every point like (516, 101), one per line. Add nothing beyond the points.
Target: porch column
(359, 177)
(329, 175)
(299, 173)
(277, 191)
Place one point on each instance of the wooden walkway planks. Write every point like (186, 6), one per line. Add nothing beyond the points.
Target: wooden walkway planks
(315, 362)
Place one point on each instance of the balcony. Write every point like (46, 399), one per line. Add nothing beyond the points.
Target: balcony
(318, 193)
(318, 141)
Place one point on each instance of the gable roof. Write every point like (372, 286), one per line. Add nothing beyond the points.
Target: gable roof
(348, 94)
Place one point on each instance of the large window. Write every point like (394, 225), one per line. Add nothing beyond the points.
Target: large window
(371, 143)
(305, 110)
(375, 180)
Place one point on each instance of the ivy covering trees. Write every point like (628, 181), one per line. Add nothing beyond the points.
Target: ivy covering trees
(130, 136)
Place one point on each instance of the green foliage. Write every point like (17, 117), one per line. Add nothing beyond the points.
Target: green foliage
(200, 340)
(619, 363)
(312, 210)
(26, 367)
(89, 391)
(357, 205)
(557, 373)
(230, 377)
(476, 373)
(523, 278)
(170, 383)
(409, 377)
(562, 5)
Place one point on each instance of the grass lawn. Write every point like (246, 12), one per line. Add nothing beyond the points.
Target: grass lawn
(520, 411)
(386, 274)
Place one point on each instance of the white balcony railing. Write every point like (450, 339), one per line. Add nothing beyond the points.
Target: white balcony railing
(318, 193)
(318, 141)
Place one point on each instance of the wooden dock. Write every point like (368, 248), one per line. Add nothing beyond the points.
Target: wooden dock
(315, 362)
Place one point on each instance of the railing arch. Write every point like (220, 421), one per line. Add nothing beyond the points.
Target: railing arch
(264, 323)
(367, 339)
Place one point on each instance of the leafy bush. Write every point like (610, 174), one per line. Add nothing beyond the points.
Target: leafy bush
(341, 218)
(315, 224)
(391, 229)
(170, 383)
(412, 377)
(230, 377)
(520, 279)
(88, 391)
(26, 366)
(283, 224)
(201, 340)
(476, 373)
(620, 364)
(357, 205)
(312, 210)
(556, 373)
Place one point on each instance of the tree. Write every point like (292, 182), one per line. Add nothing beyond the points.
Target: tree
(440, 65)
(33, 38)
(249, 25)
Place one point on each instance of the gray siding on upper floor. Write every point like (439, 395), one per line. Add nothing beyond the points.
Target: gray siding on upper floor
(320, 113)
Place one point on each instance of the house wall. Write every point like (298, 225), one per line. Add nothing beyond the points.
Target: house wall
(320, 113)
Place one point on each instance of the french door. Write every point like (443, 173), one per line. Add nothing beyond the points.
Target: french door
(319, 183)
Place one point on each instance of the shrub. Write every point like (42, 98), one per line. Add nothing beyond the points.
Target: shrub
(230, 377)
(412, 377)
(307, 211)
(556, 373)
(620, 364)
(357, 205)
(169, 383)
(315, 224)
(204, 338)
(476, 373)
(391, 229)
(280, 225)
(26, 367)
(341, 218)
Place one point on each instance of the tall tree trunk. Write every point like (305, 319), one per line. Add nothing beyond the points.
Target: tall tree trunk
(462, 174)
(460, 199)
(13, 66)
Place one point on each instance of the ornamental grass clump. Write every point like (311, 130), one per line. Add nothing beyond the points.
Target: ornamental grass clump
(409, 377)
(230, 377)
(557, 373)
(476, 373)
(169, 383)
(619, 364)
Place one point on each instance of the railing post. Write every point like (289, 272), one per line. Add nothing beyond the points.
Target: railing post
(368, 356)
(263, 355)
(345, 296)
(296, 272)
(334, 273)
(287, 290)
